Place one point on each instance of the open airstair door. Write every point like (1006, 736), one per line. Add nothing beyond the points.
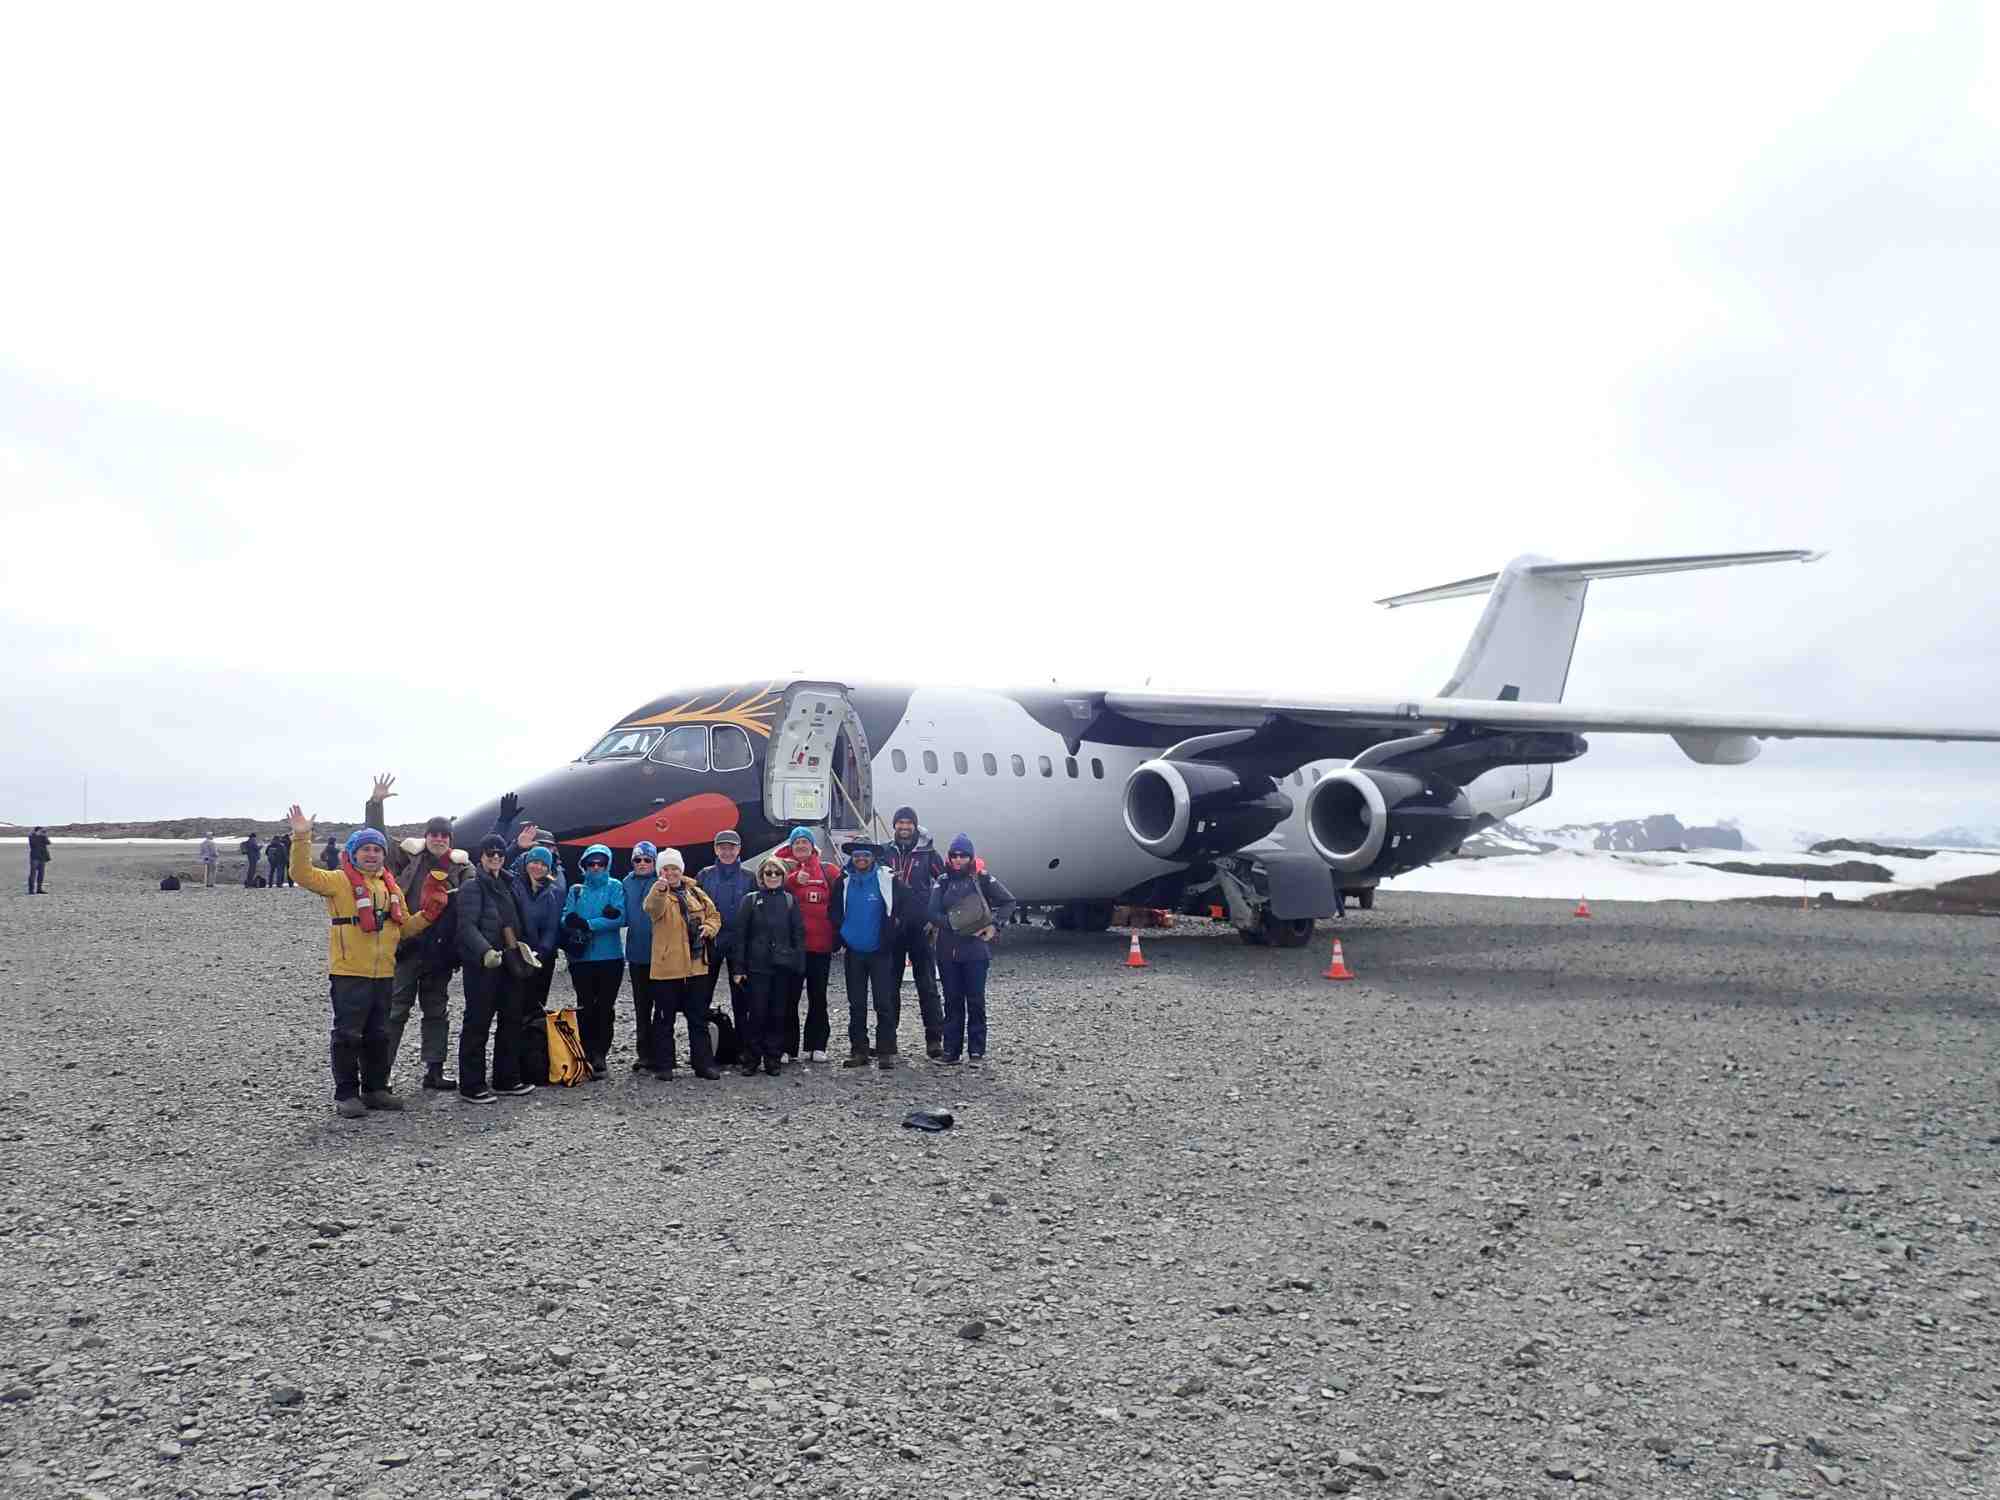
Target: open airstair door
(818, 770)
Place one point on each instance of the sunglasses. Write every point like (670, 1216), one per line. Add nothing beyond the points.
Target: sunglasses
(596, 864)
(642, 859)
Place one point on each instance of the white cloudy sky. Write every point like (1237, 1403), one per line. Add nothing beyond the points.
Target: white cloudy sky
(423, 388)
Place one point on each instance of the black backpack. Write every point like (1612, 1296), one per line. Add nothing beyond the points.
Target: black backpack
(171, 883)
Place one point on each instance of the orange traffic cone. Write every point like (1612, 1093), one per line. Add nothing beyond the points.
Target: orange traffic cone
(1134, 959)
(1582, 908)
(1336, 966)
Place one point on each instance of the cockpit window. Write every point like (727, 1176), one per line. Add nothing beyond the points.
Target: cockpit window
(624, 744)
(731, 748)
(685, 746)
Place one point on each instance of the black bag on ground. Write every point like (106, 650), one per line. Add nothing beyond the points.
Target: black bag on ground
(726, 1050)
(171, 883)
(534, 1048)
(258, 883)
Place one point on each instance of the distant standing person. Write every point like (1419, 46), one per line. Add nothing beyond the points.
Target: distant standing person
(38, 860)
(209, 857)
(329, 857)
(968, 909)
(251, 851)
(273, 852)
(367, 917)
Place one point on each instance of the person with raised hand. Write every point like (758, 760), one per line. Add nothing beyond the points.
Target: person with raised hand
(424, 964)
(489, 926)
(811, 883)
(367, 917)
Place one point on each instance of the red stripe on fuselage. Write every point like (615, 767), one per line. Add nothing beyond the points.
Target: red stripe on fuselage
(692, 820)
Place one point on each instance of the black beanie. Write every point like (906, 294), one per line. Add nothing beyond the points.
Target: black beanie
(437, 825)
(492, 844)
(904, 812)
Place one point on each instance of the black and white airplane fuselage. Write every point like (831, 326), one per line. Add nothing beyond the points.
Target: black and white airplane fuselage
(1083, 798)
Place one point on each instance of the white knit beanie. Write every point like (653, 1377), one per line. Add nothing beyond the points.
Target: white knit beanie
(674, 858)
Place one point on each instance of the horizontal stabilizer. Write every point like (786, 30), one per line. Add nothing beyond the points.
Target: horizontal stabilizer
(1630, 568)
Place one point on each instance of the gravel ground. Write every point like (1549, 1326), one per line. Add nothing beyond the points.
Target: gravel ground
(1683, 1200)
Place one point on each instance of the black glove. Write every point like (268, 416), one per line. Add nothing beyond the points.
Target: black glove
(577, 923)
(611, 914)
(509, 806)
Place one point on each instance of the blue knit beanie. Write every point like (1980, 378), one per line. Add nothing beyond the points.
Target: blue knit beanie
(538, 853)
(801, 832)
(645, 849)
(961, 845)
(362, 836)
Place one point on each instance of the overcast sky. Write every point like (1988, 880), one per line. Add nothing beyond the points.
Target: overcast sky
(425, 390)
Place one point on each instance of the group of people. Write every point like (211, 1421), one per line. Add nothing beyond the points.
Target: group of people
(276, 856)
(403, 918)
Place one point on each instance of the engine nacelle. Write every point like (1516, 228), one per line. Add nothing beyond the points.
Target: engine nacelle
(1385, 822)
(1184, 809)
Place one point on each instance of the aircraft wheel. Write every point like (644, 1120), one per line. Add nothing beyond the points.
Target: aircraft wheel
(1092, 916)
(1293, 933)
(1063, 919)
(1254, 936)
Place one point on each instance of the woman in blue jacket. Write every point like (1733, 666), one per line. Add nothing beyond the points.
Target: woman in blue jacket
(596, 908)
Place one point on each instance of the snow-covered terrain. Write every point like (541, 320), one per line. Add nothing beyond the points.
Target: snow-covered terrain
(1599, 875)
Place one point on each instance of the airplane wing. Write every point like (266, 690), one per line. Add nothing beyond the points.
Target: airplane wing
(1414, 715)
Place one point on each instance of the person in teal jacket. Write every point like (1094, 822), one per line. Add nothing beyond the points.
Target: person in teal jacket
(639, 948)
(595, 910)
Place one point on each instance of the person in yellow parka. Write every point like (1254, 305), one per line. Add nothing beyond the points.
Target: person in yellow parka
(685, 921)
(368, 918)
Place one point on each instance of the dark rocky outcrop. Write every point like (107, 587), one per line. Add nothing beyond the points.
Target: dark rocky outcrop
(1862, 846)
(1847, 869)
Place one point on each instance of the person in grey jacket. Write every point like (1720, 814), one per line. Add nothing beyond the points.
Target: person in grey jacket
(964, 956)
(489, 925)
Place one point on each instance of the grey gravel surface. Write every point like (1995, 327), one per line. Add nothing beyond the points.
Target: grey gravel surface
(1682, 1200)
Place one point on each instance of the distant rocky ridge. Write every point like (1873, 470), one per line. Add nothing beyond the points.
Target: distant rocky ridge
(1627, 835)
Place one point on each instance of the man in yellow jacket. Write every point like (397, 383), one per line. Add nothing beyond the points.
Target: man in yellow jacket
(367, 918)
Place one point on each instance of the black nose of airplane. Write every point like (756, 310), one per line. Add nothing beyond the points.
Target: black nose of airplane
(615, 803)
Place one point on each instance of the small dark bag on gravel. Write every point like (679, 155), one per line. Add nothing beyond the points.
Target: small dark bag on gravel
(534, 1049)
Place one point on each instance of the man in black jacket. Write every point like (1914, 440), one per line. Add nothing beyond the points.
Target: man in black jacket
(489, 926)
(424, 964)
(251, 850)
(914, 860)
(38, 861)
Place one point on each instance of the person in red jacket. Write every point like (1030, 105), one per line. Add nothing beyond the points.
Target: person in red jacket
(811, 884)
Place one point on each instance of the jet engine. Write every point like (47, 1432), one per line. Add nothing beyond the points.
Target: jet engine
(1385, 822)
(1185, 809)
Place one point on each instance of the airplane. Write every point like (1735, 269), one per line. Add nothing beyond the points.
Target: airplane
(1083, 799)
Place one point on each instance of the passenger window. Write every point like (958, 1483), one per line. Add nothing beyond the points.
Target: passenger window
(958, 762)
(1069, 765)
(1096, 768)
(1020, 766)
(686, 747)
(992, 765)
(1047, 768)
(729, 748)
(899, 760)
(930, 760)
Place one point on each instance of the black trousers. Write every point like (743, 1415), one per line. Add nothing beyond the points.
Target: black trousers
(535, 988)
(917, 948)
(681, 997)
(360, 1041)
(276, 876)
(492, 1004)
(37, 872)
(866, 971)
(647, 1011)
(597, 981)
(738, 995)
(760, 1031)
(813, 983)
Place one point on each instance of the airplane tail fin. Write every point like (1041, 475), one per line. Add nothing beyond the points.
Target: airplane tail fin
(1522, 646)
